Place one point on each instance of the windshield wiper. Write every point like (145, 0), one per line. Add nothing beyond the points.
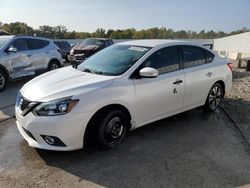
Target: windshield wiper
(86, 70)
(92, 71)
(97, 72)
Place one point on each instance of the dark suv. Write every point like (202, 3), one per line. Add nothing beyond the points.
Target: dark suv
(64, 48)
(86, 48)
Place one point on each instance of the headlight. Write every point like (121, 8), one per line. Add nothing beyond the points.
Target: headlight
(55, 108)
(71, 52)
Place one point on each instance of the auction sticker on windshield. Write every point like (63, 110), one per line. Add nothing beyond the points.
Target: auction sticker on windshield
(139, 49)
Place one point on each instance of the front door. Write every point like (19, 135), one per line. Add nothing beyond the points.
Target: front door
(163, 95)
(19, 62)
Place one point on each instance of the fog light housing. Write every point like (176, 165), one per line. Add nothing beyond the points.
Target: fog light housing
(49, 140)
(53, 140)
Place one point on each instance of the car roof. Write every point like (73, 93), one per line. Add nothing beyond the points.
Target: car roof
(7, 36)
(31, 37)
(157, 42)
(60, 41)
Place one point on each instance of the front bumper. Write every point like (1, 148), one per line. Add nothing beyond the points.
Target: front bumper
(69, 128)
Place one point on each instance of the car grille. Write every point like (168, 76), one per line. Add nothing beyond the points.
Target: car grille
(78, 52)
(79, 57)
(25, 105)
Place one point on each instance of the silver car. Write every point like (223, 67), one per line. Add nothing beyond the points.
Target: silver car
(22, 56)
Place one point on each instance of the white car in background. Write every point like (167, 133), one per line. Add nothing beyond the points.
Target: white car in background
(22, 56)
(120, 88)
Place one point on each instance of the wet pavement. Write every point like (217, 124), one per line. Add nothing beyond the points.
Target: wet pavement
(193, 149)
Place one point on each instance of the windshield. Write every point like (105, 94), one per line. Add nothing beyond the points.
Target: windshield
(114, 60)
(91, 42)
(4, 40)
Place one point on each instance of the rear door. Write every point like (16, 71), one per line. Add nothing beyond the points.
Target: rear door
(163, 95)
(199, 74)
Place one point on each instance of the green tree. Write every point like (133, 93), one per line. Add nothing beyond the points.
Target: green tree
(59, 31)
(62, 32)
(18, 28)
(46, 31)
(99, 33)
(109, 33)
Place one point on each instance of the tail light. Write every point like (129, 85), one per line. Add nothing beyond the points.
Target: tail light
(230, 65)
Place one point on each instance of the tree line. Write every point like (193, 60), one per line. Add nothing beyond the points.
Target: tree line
(61, 32)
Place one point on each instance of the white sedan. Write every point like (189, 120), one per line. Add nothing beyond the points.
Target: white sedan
(120, 88)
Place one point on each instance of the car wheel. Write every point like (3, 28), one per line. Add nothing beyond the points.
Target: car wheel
(53, 65)
(3, 80)
(214, 97)
(113, 129)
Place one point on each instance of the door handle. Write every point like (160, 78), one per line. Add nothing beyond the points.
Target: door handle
(178, 81)
(29, 55)
(209, 74)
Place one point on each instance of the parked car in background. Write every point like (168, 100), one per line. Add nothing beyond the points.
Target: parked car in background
(86, 48)
(22, 56)
(65, 48)
(118, 89)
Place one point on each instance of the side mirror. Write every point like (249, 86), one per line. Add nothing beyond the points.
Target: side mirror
(148, 72)
(12, 49)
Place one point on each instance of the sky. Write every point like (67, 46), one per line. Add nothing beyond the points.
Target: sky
(88, 15)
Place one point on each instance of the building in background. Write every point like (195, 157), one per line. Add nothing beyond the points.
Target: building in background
(233, 47)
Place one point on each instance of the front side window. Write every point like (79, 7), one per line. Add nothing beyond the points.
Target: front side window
(114, 60)
(110, 42)
(106, 43)
(37, 43)
(20, 44)
(193, 56)
(164, 60)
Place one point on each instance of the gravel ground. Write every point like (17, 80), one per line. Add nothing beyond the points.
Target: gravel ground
(237, 101)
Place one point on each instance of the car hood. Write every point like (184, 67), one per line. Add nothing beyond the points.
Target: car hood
(62, 83)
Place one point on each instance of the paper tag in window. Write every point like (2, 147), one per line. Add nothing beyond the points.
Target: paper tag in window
(139, 49)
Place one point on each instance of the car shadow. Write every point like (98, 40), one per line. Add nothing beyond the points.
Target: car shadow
(238, 109)
(146, 153)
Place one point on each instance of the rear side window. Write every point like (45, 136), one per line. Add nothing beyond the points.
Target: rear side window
(193, 56)
(164, 60)
(37, 43)
(209, 56)
(20, 44)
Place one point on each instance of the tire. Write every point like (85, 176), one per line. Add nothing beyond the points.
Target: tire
(3, 80)
(113, 129)
(214, 97)
(53, 65)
